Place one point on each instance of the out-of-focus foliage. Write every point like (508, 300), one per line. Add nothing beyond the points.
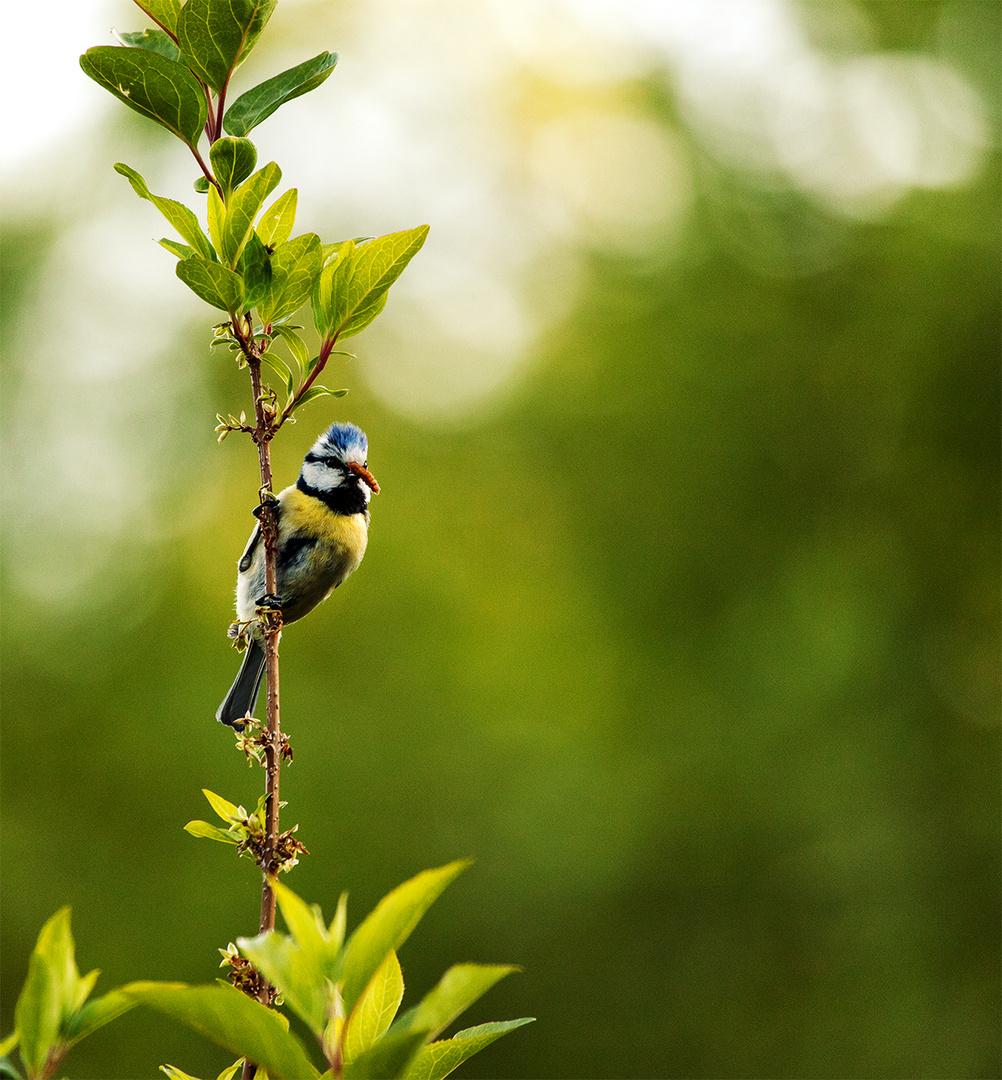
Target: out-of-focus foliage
(691, 640)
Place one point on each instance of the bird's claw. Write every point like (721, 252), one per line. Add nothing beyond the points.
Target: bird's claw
(269, 503)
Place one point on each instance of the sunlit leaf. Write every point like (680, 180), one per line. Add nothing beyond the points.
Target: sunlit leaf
(182, 219)
(302, 357)
(215, 212)
(182, 251)
(275, 226)
(296, 972)
(155, 40)
(233, 1020)
(213, 283)
(438, 1059)
(294, 268)
(95, 1014)
(243, 206)
(456, 991)
(175, 1073)
(224, 808)
(163, 12)
(389, 926)
(84, 985)
(209, 832)
(340, 921)
(48, 992)
(216, 35)
(305, 921)
(154, 85)
(330, 294)
(376, 1008)
(375, 266)
(260, 102)
(319, 391)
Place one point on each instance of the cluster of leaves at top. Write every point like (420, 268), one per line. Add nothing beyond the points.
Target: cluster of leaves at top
(346, 993)
(179, 76)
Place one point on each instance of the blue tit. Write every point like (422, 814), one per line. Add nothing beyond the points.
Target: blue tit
(323, 527)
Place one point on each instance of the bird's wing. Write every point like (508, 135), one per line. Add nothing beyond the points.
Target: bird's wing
(248, 556)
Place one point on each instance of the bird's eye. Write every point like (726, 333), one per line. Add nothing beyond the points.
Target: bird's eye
(365, 464)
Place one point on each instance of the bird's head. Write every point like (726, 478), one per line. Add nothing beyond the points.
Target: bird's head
(338, 461)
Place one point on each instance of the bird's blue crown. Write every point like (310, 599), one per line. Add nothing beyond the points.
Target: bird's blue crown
(342, 439)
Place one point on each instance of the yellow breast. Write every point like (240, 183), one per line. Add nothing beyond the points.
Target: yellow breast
(346, 533)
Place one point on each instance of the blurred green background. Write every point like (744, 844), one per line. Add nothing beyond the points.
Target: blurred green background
(681, 607)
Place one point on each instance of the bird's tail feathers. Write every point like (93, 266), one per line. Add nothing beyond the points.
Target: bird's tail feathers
(242, 697)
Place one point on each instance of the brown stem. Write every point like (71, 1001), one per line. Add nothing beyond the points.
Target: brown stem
(206, 170)
(269, 532)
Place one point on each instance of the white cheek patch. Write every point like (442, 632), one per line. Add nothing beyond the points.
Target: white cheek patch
(321, 477)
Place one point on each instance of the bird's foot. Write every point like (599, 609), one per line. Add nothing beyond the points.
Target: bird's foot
(267, 500)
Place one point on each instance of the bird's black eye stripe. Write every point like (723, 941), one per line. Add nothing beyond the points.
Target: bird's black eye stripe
(330, 462)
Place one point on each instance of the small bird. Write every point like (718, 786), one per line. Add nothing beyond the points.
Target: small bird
(323, 527)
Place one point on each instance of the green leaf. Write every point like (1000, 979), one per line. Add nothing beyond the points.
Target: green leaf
(296, 346)
(95, 1014)
(275, 226)
(438, 1059)
(305, 921)
(330, 294)
(259, 103)
(224, 808)
(154, 85)
(277, 364)
(209, 832)
(216, 35)
(233, 1020)
(183, 219)
(176, 1074)
(182, 251)
(8, 1044)
(243, 206)
(7, 1070)
(456, 991)
(376, 1008)
(232, 161)
(376, 265)
(229, 1073)
(155, 40)
(389, 926)
(294, 268)
(255, 268)
(163, 12)
(215, 212)
(388, 1059)
(82, 990)
(48, 993)
(339, 923)
(296, 972)
(213, 283)
(319, 391)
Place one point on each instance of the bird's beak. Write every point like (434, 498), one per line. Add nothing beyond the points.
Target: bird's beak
(367, 477)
